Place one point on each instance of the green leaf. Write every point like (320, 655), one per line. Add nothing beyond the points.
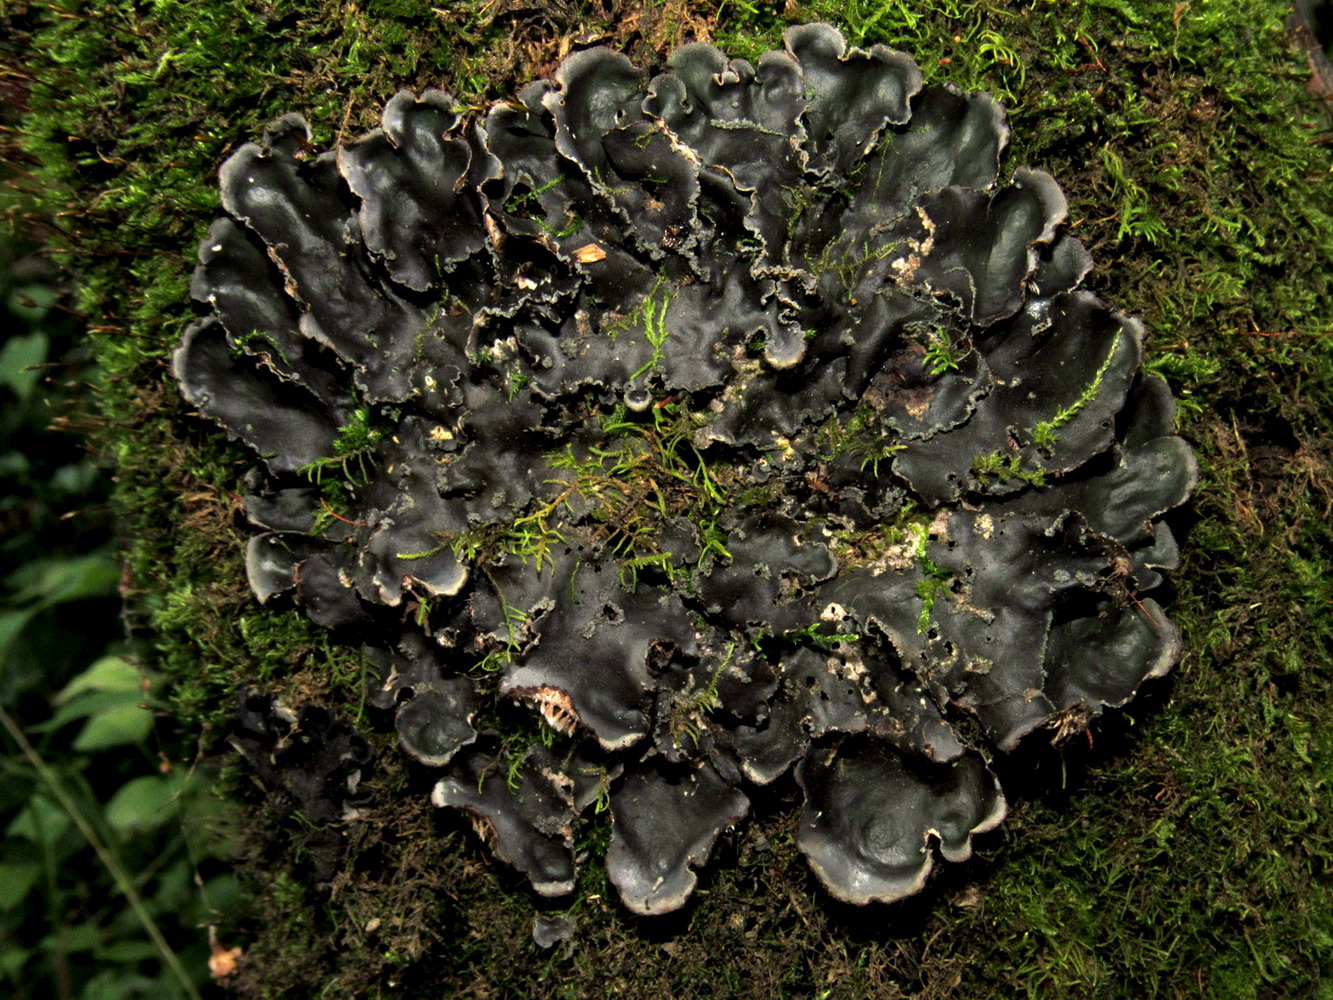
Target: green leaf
(128, 951)
(110, 673)
(18, 359)
(17, 784)
(12, 960)
(218, 896)
(122, 984)
(11, 624)
(75, 479)
(14, 463)
(31, 303)
(115, 727)
(79, 579)
(60, 581)
(41, 821)
(84, 937)
(143, 803)
(89, 704)
(16, 881)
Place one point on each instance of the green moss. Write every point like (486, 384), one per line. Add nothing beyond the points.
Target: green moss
(1182, 852)
(1045, 435)
(1003, 467)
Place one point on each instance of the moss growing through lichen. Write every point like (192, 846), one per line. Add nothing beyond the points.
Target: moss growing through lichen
(1191, 156)
(1046, 433)
(1003, 467)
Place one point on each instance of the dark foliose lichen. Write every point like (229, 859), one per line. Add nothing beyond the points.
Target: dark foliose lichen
(736, 419)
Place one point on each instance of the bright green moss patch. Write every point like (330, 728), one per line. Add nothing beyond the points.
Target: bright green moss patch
(1180, 850)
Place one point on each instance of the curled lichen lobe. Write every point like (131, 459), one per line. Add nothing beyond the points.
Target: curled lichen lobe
(731, 418)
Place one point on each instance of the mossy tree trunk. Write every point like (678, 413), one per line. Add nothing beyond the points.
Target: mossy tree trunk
(1177, 851)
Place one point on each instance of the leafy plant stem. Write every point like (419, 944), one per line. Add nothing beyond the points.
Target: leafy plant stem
(118, 874)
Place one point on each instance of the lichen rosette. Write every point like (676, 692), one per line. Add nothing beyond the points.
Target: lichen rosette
(738, 420)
